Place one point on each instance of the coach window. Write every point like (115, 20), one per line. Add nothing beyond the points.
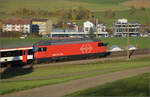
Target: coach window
(100, 44)
(30, 52)
(24, 53)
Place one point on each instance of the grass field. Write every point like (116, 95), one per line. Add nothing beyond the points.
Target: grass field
(138, 3)
(9, 5)
(102, 67)
(133, 86)
(141, 16)
(140, 42)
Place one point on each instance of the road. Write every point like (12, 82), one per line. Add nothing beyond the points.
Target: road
(58, 90)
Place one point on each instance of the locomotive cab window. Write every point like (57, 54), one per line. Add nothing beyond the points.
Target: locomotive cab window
(100, 44)
(45, 49)
(42, 49)
(39, 49)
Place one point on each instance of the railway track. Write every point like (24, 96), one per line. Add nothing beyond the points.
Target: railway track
(132, 53)
(111, 56)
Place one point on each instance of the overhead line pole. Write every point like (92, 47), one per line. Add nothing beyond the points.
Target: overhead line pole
(96, 28)
(128, 42)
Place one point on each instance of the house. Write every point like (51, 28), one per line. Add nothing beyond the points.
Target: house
(70, 26)
(101, 28)
(41, 26)
(17, 25)
(88, 25)
(121, 27)
(98, 28)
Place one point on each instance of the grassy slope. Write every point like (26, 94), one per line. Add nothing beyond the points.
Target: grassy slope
(110, 66)
(140, 42)
(8, 5)
(141, 16)
(138, 3)
(134, 86)
(97, 6)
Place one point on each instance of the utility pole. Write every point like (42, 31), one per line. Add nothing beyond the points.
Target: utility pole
(128, 42)
(96, 28)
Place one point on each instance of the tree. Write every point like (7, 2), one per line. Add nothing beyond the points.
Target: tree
(132, 10)
(54, 11)
(90, 16)
(143, 29)
(142, 8)
(49, 26)
(109, 13)
(109, 30)
(82, 13)
(91, 33)
(73, 13)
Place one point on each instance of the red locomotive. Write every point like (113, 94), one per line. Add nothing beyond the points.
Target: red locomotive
(68, 49)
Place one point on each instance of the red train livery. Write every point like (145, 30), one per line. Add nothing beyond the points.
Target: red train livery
(68, 48)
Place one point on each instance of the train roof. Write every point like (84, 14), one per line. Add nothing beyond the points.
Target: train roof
(66, 41)
(10, 46)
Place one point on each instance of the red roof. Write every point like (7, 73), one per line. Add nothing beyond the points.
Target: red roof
(16, 21)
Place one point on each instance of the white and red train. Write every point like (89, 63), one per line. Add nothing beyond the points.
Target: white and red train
(54, 50)
(19, 54)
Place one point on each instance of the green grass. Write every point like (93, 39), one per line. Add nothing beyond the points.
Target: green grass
(9, 5)
(133, 86)
(141, 16)
(10, 41)
(104, 67)
(139, 42)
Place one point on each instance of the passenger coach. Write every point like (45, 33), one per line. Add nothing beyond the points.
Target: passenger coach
(20, 54)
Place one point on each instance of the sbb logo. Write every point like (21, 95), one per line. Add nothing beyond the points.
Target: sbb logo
(86, 48)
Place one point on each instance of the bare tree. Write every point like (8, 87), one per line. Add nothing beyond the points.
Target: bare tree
(91, 33)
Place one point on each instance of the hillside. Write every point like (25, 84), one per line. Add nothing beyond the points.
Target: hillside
(94, 5)
(138, 3)
(98, 7)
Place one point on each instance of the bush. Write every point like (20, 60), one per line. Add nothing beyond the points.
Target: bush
(11, 34)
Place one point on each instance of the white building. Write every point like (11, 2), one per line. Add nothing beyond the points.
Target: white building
(100, 28)
(17, 25)
(88, 25)
(121, 27)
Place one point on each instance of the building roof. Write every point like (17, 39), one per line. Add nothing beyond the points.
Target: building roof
(16, 21)
(41, 20)
(94, 22)
(66, 41)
